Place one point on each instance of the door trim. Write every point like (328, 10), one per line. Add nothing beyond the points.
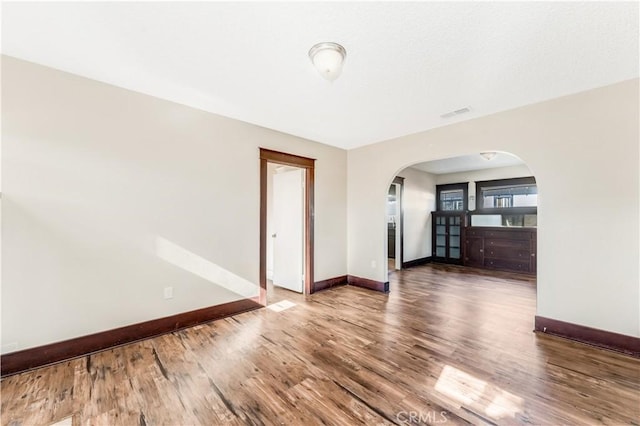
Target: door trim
(308, 164)
(400, 181)
(399, 229)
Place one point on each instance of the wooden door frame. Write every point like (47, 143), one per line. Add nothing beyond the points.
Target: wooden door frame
(399, 181)
(308, 165)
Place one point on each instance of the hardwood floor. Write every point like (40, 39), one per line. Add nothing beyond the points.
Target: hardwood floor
(446, 346)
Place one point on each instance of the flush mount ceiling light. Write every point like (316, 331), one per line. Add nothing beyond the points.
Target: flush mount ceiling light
(488, 155)
(328, 58)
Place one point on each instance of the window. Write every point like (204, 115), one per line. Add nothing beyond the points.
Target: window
(518, 195)
(452, 197)
(452, 200)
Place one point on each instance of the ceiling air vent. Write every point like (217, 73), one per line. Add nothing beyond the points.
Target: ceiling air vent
(456, 112)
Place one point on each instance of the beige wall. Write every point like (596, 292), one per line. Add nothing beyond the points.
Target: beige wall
(419, 200)
(583, 151)
(110, 195)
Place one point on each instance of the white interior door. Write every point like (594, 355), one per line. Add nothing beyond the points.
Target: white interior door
(288, 244)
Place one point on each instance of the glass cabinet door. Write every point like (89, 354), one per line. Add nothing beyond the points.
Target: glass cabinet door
(441, 236)
(447, 239)
(454, 237)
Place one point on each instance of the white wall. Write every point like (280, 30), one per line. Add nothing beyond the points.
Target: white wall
(583, 151)
(419, 200)
(106, 191)
(472, 176)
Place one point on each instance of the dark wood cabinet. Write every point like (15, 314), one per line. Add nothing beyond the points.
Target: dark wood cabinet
(534, 253)
(504, 249)
(448, 237)
(474, 252)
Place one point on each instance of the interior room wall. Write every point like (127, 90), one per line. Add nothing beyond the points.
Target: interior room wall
(472, 176)
(419, 200)
(109, 196)
(583, 151)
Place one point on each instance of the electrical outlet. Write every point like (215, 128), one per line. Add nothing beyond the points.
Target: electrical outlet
(168, 292)
(373, 264)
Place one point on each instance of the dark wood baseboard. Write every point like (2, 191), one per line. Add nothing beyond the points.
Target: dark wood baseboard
(592, 336)
(366, 283)
(331, 282)
(416, 262)
(28, 359)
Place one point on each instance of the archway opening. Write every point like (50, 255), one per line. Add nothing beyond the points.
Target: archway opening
(477, 211)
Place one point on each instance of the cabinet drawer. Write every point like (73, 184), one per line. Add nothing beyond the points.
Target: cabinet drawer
(508, 253)
(509, 235)
(510, 244)
(471, 232)
(509, 265)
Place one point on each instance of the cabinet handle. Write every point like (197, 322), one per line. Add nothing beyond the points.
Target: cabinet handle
(533, 255)
(481, 251)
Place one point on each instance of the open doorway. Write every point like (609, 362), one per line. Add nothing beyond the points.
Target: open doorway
(477, 211)
(285, 228)
(286, 224)
(395, 227)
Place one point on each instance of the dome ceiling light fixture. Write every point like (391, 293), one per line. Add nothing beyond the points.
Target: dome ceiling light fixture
(328, 58)
(488, 155)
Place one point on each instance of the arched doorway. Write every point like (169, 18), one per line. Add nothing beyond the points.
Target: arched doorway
(475, 210)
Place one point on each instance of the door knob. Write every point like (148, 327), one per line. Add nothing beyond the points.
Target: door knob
(273, 235)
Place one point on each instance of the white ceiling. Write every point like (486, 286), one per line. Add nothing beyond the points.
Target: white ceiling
(407, 63)
(465, 163)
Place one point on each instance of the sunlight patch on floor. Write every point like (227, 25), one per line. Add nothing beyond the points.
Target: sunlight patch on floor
(460, 386)
(281, 306)
(477, 395)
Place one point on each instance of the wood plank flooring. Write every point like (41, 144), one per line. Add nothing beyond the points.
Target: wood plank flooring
(448, 345)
